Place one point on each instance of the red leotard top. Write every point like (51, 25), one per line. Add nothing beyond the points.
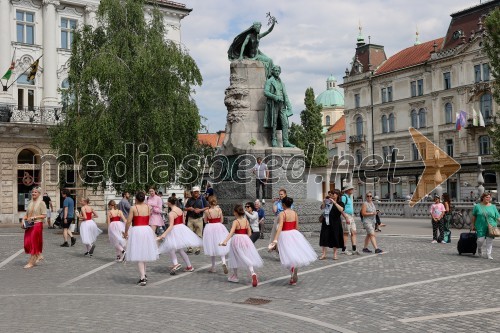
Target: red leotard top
(115, 219)
(288, 225)
(140, 221)
(179, 220)
(88, 216)
(213, 219)
(241, 231)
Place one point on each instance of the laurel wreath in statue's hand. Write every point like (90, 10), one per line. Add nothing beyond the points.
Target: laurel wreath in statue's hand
(271, 19)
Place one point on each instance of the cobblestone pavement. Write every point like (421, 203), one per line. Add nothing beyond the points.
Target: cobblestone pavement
(415, 287)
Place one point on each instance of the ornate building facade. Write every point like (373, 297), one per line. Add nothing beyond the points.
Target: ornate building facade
(30, 29)
(423, 86)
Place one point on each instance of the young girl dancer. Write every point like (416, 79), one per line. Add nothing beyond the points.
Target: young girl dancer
(215, 232)
(294, 250)
(242, 252)
(88, 229)
(141, 245)
(116, 228)
(177, 237)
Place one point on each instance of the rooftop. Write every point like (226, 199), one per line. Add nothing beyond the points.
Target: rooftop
(338, 127)
(213, 140)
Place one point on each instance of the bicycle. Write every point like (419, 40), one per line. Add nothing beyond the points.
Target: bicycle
(457, 220)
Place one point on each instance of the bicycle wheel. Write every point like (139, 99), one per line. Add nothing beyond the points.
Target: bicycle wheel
(458, 220)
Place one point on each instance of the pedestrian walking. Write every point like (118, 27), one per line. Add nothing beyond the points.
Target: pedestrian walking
(242, 252)
(156, 206)
(483, 214)
(294, 250)
(124, 205)
(141, 244)
(88, 228)
(116, 228)
(177, 237)
(33, 228)
(261, 173)
(215, 232)
(437, 211)
(253, 218)
(331, 235)
(50, 208)
(348, 224)
(68, 217)
(195, 206)
(369, 213)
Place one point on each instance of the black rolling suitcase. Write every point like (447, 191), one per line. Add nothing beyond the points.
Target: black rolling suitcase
(467, 243)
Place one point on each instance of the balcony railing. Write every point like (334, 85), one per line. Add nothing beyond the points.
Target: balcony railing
(488, 121)
(356, 139)
(31, 114)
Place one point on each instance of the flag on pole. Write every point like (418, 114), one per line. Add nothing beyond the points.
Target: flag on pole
(33, 70)
(8, 74)
(481, 119)
(461, 120)
(475, 119)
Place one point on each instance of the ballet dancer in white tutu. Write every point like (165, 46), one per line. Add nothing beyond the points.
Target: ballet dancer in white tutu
(141, 245)
(294, 250)
(116, 228)
(215, 232)
(88, 228)
(177, 237)
(242, 251)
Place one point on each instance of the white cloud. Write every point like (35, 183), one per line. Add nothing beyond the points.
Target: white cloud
(312, 39)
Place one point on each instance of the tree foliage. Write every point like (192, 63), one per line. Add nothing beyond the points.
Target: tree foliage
(310, 132)
(492, 48)
(130, 92)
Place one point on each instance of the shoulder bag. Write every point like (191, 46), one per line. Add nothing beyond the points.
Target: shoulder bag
(492, 231)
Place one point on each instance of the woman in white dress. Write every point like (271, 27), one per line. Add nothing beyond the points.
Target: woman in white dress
(141, 246)
(214, 233)
(242, 253)
(294, 250)
(116, 228)
(88, 228)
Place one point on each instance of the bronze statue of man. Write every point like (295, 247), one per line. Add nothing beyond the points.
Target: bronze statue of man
(278, 107)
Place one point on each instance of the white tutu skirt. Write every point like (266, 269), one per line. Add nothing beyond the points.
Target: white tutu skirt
(242, 253)
(115, 234)
(214, 234)
(295, 250)
(89, 232)
(141, 244)
(180, 237)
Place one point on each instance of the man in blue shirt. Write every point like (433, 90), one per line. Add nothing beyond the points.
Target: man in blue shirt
(262, 216)
(348, 224)
(68, 217)
(277, 209)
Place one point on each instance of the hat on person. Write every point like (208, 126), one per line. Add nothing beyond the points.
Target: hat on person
(348, 187)
(196, 189)
(436, 196)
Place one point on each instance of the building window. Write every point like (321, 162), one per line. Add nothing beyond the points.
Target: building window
(421, 118)
(359, 157)
(477, 73)
(25, 93)
(359, 126)
(383, 92)
(486, 72)
(484, 145)
(413, 88)
(448, 113)
(384, 124)
(447, 80)
(449, 147)
(485, 106)
(415, 154)
(391, 123)
(414, 119)
(385, 153)
(67, 28)
(389, 94)
(25, 27)
(327, 120)
(392, 151)
(357, 101)
(420, 87)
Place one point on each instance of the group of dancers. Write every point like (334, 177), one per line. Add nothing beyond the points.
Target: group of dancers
(136, 241)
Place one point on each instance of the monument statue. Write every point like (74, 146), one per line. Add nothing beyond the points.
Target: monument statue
(278, 108)
(246, 45)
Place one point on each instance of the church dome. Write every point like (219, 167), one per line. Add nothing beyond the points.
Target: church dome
(332, 96)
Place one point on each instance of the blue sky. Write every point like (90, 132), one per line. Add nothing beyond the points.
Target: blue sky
(312, 39)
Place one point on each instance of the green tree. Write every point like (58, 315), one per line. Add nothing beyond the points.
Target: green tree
(310, 133)
(130, 92)
(492, 48)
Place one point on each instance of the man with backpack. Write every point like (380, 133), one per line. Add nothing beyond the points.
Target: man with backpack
(348, 223)
(195, 206)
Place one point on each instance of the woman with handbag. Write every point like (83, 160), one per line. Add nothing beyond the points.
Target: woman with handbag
(33, 225)
(484, 221)
(332, 234)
